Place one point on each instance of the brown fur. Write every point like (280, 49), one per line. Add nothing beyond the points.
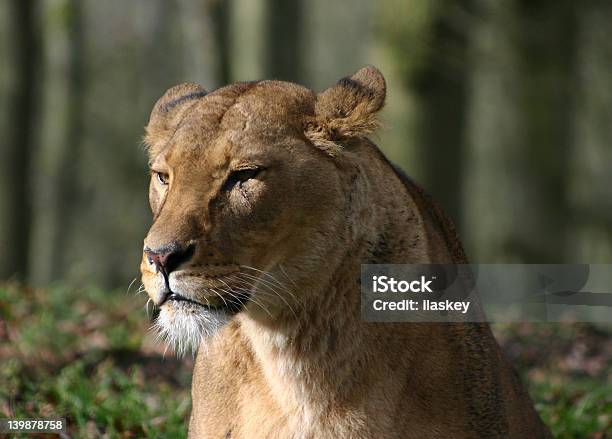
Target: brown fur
(307, 366)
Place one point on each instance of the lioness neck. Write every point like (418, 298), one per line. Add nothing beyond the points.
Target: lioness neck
(315, 364)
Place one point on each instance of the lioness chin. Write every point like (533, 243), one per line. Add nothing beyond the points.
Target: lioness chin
(267, 198)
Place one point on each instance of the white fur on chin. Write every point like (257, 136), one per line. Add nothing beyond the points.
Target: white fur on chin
(184, 326)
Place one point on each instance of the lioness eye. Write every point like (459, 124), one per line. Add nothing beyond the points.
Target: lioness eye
(162, 178)
(240, 176)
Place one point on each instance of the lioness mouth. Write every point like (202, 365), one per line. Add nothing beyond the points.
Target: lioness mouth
(179, 298)
(233, 306)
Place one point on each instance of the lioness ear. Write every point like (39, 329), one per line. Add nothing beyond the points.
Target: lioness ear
(166, 113)
(347, 110)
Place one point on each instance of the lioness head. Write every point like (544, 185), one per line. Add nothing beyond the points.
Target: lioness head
(248, 194)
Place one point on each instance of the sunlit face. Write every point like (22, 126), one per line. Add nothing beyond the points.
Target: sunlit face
(230, 205)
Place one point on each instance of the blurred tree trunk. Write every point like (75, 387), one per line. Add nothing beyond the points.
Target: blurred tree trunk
(220, 15)
(430, 42)
(441, 89)
(17, 155)
(589, 176)
(547, 49)
(337, 42)
(493, 184)
(66, 191)
(204, 42)
(284, 40)
(57, 174)
(521, 131)
(247, 25)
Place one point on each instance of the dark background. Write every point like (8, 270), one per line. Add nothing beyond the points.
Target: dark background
(501, 109)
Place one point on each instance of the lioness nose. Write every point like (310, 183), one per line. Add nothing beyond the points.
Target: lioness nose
(169, 258)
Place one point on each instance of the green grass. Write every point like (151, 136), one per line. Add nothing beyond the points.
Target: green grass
(87, 355)
(575, 409)
(568, 372)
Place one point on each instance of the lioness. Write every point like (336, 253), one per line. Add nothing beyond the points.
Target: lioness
(266, 199)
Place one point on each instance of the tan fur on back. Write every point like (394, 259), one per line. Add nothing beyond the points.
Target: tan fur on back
(297, 361)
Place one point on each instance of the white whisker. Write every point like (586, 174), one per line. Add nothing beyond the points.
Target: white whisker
(276, 281)
(282, 269)
(130, 285)
(272, 288)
